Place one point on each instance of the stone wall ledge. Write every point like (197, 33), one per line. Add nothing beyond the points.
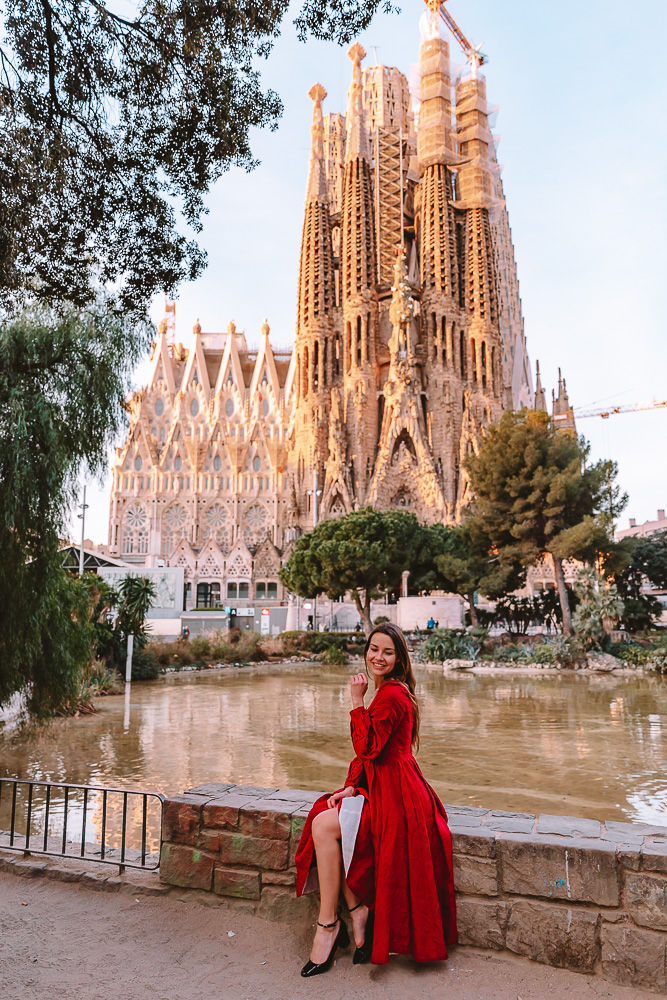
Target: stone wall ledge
(572, 893)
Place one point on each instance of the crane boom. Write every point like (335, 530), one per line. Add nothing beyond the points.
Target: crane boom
(471, 52)
(607, 411)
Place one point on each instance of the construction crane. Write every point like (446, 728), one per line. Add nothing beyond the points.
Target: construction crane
(607, 411)
(475, 57)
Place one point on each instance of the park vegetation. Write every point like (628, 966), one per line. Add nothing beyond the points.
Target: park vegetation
(535, 494)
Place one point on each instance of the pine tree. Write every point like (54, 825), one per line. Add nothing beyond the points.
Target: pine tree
(535, 495)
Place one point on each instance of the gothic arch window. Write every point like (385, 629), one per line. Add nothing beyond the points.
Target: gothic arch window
(174, 527)
(368, 335)
(473, 360)
(483, 362)
(358, 353)
(325, 360)
(306, 373)
(434, 321)
(336, 355)
(462, 354)
(443, 341)
(135, 530)
(316, 365)
(215, 524)
(337, 507)
(493, 369)
(348, 346)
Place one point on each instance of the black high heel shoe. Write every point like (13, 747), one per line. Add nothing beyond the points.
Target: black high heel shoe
(362, 953)
(342, 941)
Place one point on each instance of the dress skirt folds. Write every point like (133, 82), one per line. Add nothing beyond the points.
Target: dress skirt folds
(397, 848)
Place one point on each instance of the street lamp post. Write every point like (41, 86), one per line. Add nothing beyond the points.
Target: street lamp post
(315, 493)
(83, 508)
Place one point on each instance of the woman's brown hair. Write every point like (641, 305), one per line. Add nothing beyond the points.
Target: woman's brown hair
(402, 671)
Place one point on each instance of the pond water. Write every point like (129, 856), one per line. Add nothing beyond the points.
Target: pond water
(572, 744)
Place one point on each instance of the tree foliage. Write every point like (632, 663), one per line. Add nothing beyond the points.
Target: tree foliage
(62, 380)
(113, 125)
(364, 553)
(535, 494)
(460, 559)
(645, 559)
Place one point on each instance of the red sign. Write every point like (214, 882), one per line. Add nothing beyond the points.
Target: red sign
(266, 611)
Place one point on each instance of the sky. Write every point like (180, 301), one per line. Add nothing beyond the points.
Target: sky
(581, 99)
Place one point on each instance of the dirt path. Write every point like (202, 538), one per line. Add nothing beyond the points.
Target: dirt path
(61, 940)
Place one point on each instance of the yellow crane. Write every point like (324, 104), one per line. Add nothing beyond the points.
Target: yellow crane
(475, 57)
(607, 411)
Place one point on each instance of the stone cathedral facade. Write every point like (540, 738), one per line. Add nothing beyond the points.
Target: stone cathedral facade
(409, 342)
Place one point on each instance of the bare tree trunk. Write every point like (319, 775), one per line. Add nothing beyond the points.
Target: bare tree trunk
(562, 594)
(474, 620)
(364, 609)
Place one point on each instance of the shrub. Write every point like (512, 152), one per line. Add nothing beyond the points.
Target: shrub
(201, 648)
(446, 644)
(145, 664)
(248, 648)
(334, 656)
(380, 619)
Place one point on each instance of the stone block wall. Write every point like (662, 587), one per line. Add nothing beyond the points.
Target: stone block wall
(572, 893)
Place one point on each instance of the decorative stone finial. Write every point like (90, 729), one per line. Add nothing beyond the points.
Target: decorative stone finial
(266, 328)
(162, 328)
(231, 328)
(317, 93)
(356, 53)
(196, 329)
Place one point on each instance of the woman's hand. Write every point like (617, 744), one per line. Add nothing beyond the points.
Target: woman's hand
(337, 796)
(358, 688)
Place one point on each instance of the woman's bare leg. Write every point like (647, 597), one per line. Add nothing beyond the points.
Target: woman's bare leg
(358, 914)
(326, 837)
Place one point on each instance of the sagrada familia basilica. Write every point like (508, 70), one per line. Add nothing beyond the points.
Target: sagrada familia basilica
(409, 342)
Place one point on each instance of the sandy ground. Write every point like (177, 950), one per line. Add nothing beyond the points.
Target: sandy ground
(60, 940)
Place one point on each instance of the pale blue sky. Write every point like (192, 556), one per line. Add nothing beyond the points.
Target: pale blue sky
(581, 93)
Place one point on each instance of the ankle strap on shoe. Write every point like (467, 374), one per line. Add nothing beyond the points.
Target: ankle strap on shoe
(351, 909)
(327, 927)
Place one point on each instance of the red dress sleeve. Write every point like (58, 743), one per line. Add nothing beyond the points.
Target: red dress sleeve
(355, 773)
(372, 727)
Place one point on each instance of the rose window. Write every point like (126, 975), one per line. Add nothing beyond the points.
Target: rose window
(256, 524)
(215, 525)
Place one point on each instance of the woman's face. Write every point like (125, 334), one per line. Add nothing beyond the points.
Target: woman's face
(381, 656)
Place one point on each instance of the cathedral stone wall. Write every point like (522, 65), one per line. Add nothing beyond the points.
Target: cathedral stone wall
(409, 343)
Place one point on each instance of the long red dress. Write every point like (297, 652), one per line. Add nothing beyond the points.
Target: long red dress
(402, 861)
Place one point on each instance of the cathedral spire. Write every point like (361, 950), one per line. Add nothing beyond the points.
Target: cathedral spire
(355, 120)
(316, 188)
(540, 397)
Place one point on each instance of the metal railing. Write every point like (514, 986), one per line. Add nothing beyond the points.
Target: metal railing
(42, 815)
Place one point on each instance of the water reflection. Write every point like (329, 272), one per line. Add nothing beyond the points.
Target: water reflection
(560, 743)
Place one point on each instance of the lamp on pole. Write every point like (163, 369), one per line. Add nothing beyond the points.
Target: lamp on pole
(83, 507)
(315, 493)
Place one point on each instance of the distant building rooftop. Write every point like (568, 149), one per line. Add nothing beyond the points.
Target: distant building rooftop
(647, 528)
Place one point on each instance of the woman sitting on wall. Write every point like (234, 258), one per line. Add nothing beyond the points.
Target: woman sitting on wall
(384, 837)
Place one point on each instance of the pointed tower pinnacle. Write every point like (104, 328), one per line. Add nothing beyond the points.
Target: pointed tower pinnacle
(316, 188)
(540, 397)
(266, 329)
(355, 123)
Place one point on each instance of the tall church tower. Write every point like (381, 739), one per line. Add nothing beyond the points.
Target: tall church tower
(316, 341)
(359, 290)
(409, 335)
(409, 344)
